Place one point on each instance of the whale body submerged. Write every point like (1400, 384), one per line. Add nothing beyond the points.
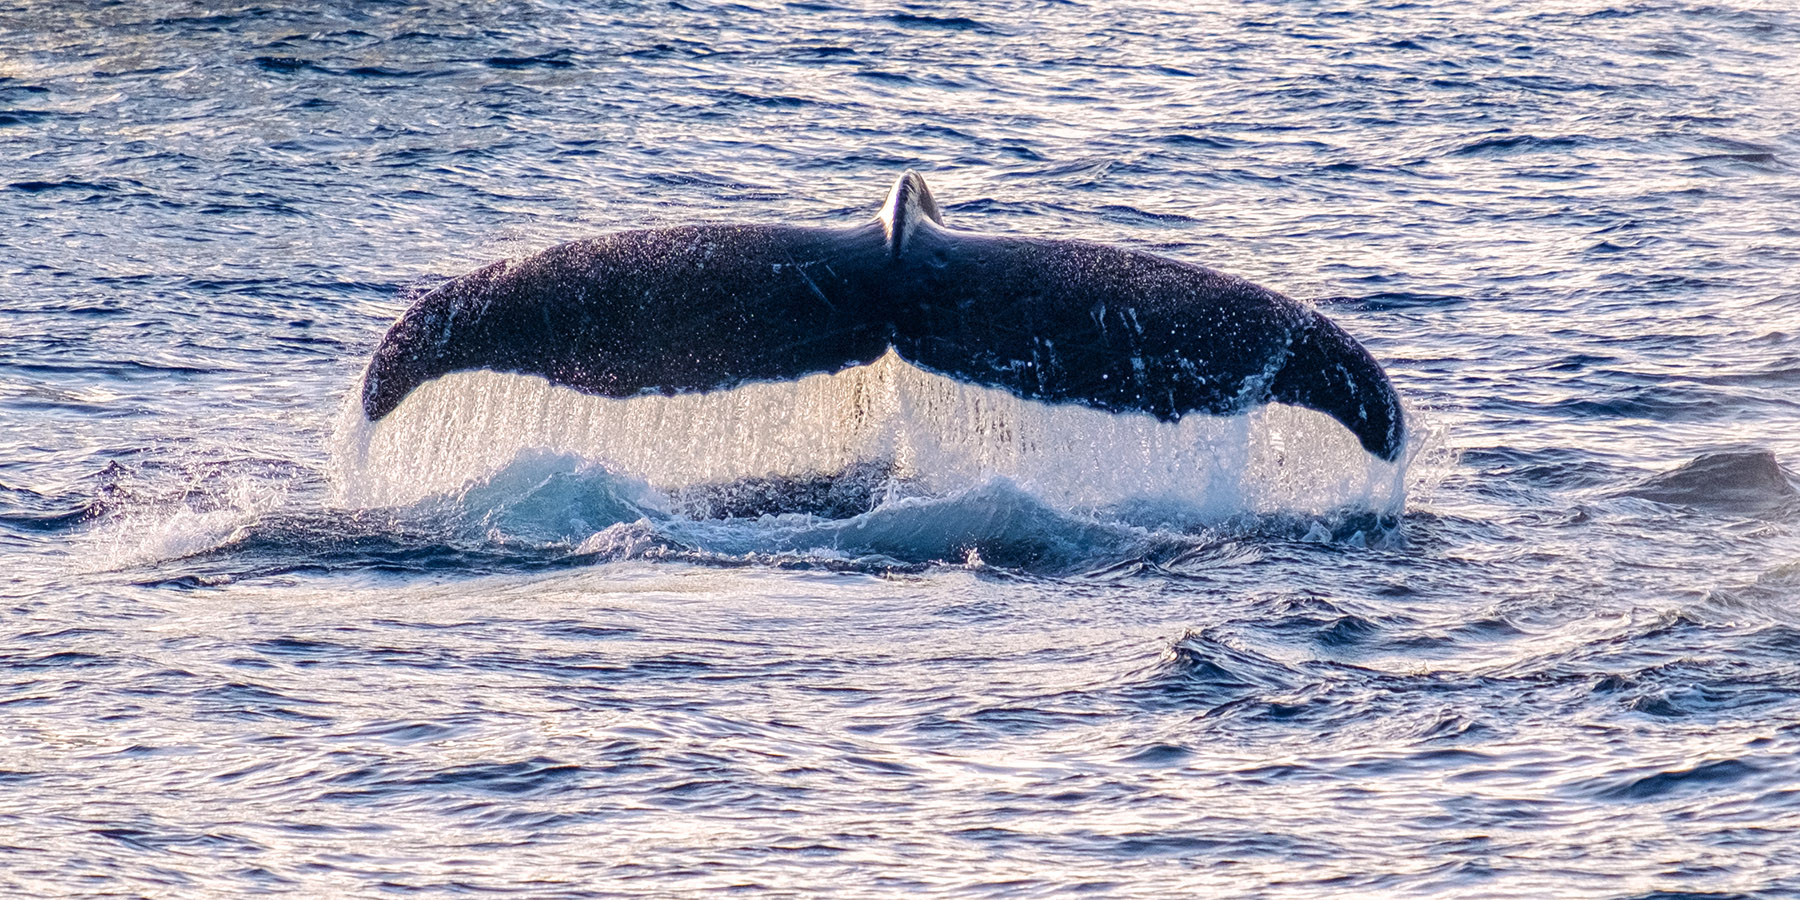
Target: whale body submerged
(710, 307)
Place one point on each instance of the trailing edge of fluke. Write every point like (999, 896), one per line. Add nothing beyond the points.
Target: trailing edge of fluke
(709, 307)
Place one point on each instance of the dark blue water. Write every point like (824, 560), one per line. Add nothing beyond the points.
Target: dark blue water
(246, 647)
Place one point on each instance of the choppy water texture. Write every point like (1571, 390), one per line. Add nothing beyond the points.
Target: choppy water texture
(247, 649)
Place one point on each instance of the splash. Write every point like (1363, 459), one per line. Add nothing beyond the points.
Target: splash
(216, 509)
(935, 436)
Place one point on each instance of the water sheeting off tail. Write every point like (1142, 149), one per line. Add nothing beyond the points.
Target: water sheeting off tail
(936, 435)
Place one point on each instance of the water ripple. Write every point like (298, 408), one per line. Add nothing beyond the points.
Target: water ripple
(1564, 666)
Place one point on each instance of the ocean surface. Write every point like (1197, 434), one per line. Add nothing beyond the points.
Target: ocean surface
(515, 641)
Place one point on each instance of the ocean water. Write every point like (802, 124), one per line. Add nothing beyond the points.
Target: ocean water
(515, 641)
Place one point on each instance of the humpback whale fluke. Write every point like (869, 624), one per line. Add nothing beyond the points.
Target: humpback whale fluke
(709, 307)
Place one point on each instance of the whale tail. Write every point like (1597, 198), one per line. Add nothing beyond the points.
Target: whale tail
(710, 307)
(1328, 371)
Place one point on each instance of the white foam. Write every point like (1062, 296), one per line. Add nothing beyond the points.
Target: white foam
(941, 435)
(178, 529)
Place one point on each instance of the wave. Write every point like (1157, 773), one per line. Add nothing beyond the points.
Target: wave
(1747, 481)
(548, 511)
